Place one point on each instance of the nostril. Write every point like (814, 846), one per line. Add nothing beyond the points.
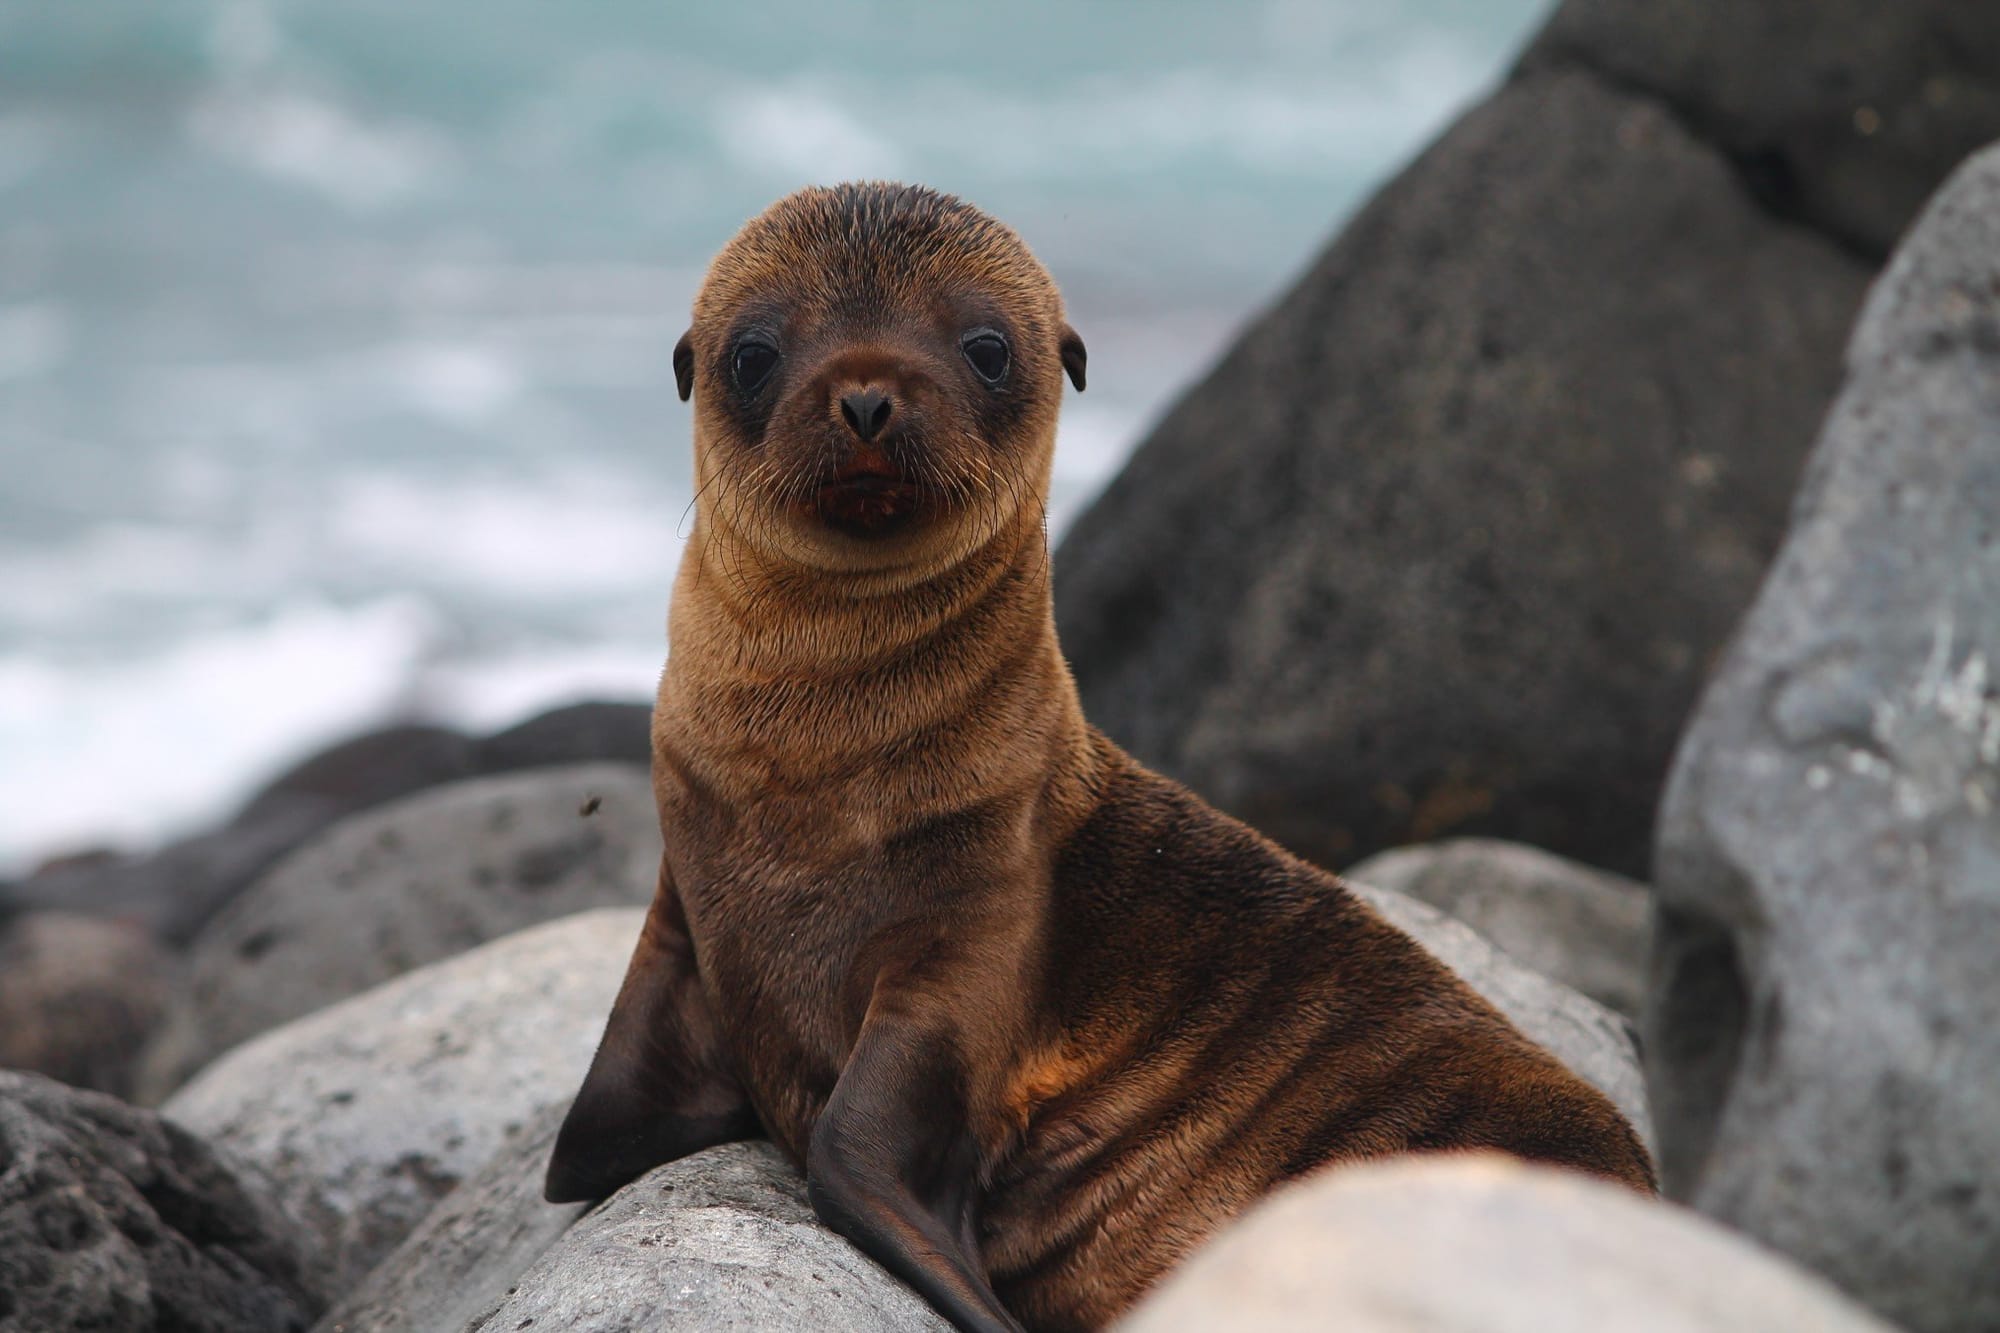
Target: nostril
(866, 411)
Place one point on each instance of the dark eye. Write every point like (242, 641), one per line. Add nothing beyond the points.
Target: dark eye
(987, 353)
(753, 364)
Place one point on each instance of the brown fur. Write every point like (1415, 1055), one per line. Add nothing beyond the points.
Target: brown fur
(1035, 1020)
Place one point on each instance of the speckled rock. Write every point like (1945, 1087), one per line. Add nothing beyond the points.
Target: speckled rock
(80, 996)
(366, 1114)
(1822, 1038)
(1586, 928)
(114, 1220)
(1595, 1043)
(406, 884)
(724, 1242)
(1482, 1244)
(467, 1254)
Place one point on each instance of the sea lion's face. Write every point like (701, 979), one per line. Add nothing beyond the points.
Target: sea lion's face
(876, 372)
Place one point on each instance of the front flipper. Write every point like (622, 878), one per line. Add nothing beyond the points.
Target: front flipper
(659, 1087)
(892, 1165)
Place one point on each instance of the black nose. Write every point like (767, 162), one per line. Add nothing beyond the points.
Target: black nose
(867, 411)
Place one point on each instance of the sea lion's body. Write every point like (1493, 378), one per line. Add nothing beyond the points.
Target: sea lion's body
(1034, 1019)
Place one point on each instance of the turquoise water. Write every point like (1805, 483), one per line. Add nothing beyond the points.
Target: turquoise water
(334, 333)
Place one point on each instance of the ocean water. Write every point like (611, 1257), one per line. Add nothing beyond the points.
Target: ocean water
(334, 334)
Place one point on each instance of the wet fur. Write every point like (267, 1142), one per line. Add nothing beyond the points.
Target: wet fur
(1034, 1020)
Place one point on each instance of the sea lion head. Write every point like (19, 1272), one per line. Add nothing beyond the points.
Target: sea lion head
(876, 371)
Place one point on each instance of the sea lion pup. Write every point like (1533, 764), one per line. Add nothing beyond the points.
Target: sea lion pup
(1034, 1020)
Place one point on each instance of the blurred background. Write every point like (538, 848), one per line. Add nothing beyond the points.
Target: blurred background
(334, 333)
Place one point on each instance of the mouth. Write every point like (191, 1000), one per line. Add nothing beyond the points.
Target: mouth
(865, 501)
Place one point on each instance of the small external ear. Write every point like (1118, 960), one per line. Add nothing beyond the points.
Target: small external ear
(684, 365)
(1073, 356)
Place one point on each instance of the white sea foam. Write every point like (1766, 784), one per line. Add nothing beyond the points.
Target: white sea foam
(1135, 123)
(494, 692)
(265, 111)
(800, 132)
(510, 542)
(1144, 123)
(131, 750)
(318, 144)
(460, 383)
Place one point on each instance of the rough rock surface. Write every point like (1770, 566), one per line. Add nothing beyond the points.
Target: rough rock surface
(1583, 927)
(404, 885)
(366, 1114)
(1866, 107)
(1595, 1043)
(1450, 539)
(1822, 1042)
(80, 996)
(1484, 1245)
(723, 1241)
(175, 891)
(466, 1255)
(114, 1220)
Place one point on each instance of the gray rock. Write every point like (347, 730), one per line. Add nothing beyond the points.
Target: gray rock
(723, 1241)
(114, 1220)
(748, 1254)
(1447, 542)
(467, 1254)
(573, 734)
(1842, 114)
(1595, 1043)
(366, 1114)
(1583, 927)
(1482, 1244)
(1821, 1036)
(80, 996)
(407, 884)
(175, 890)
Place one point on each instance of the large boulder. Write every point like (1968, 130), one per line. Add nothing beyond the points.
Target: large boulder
(366, 1114)
(1481, 1244)
(724, 1242)
(1586, 928)
(115, 1220)
(1596, 1044)
(80, 996)
(1451, 537)
(404, 885)
(1822, 1042)
(469, 1252)
(1864, 109)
